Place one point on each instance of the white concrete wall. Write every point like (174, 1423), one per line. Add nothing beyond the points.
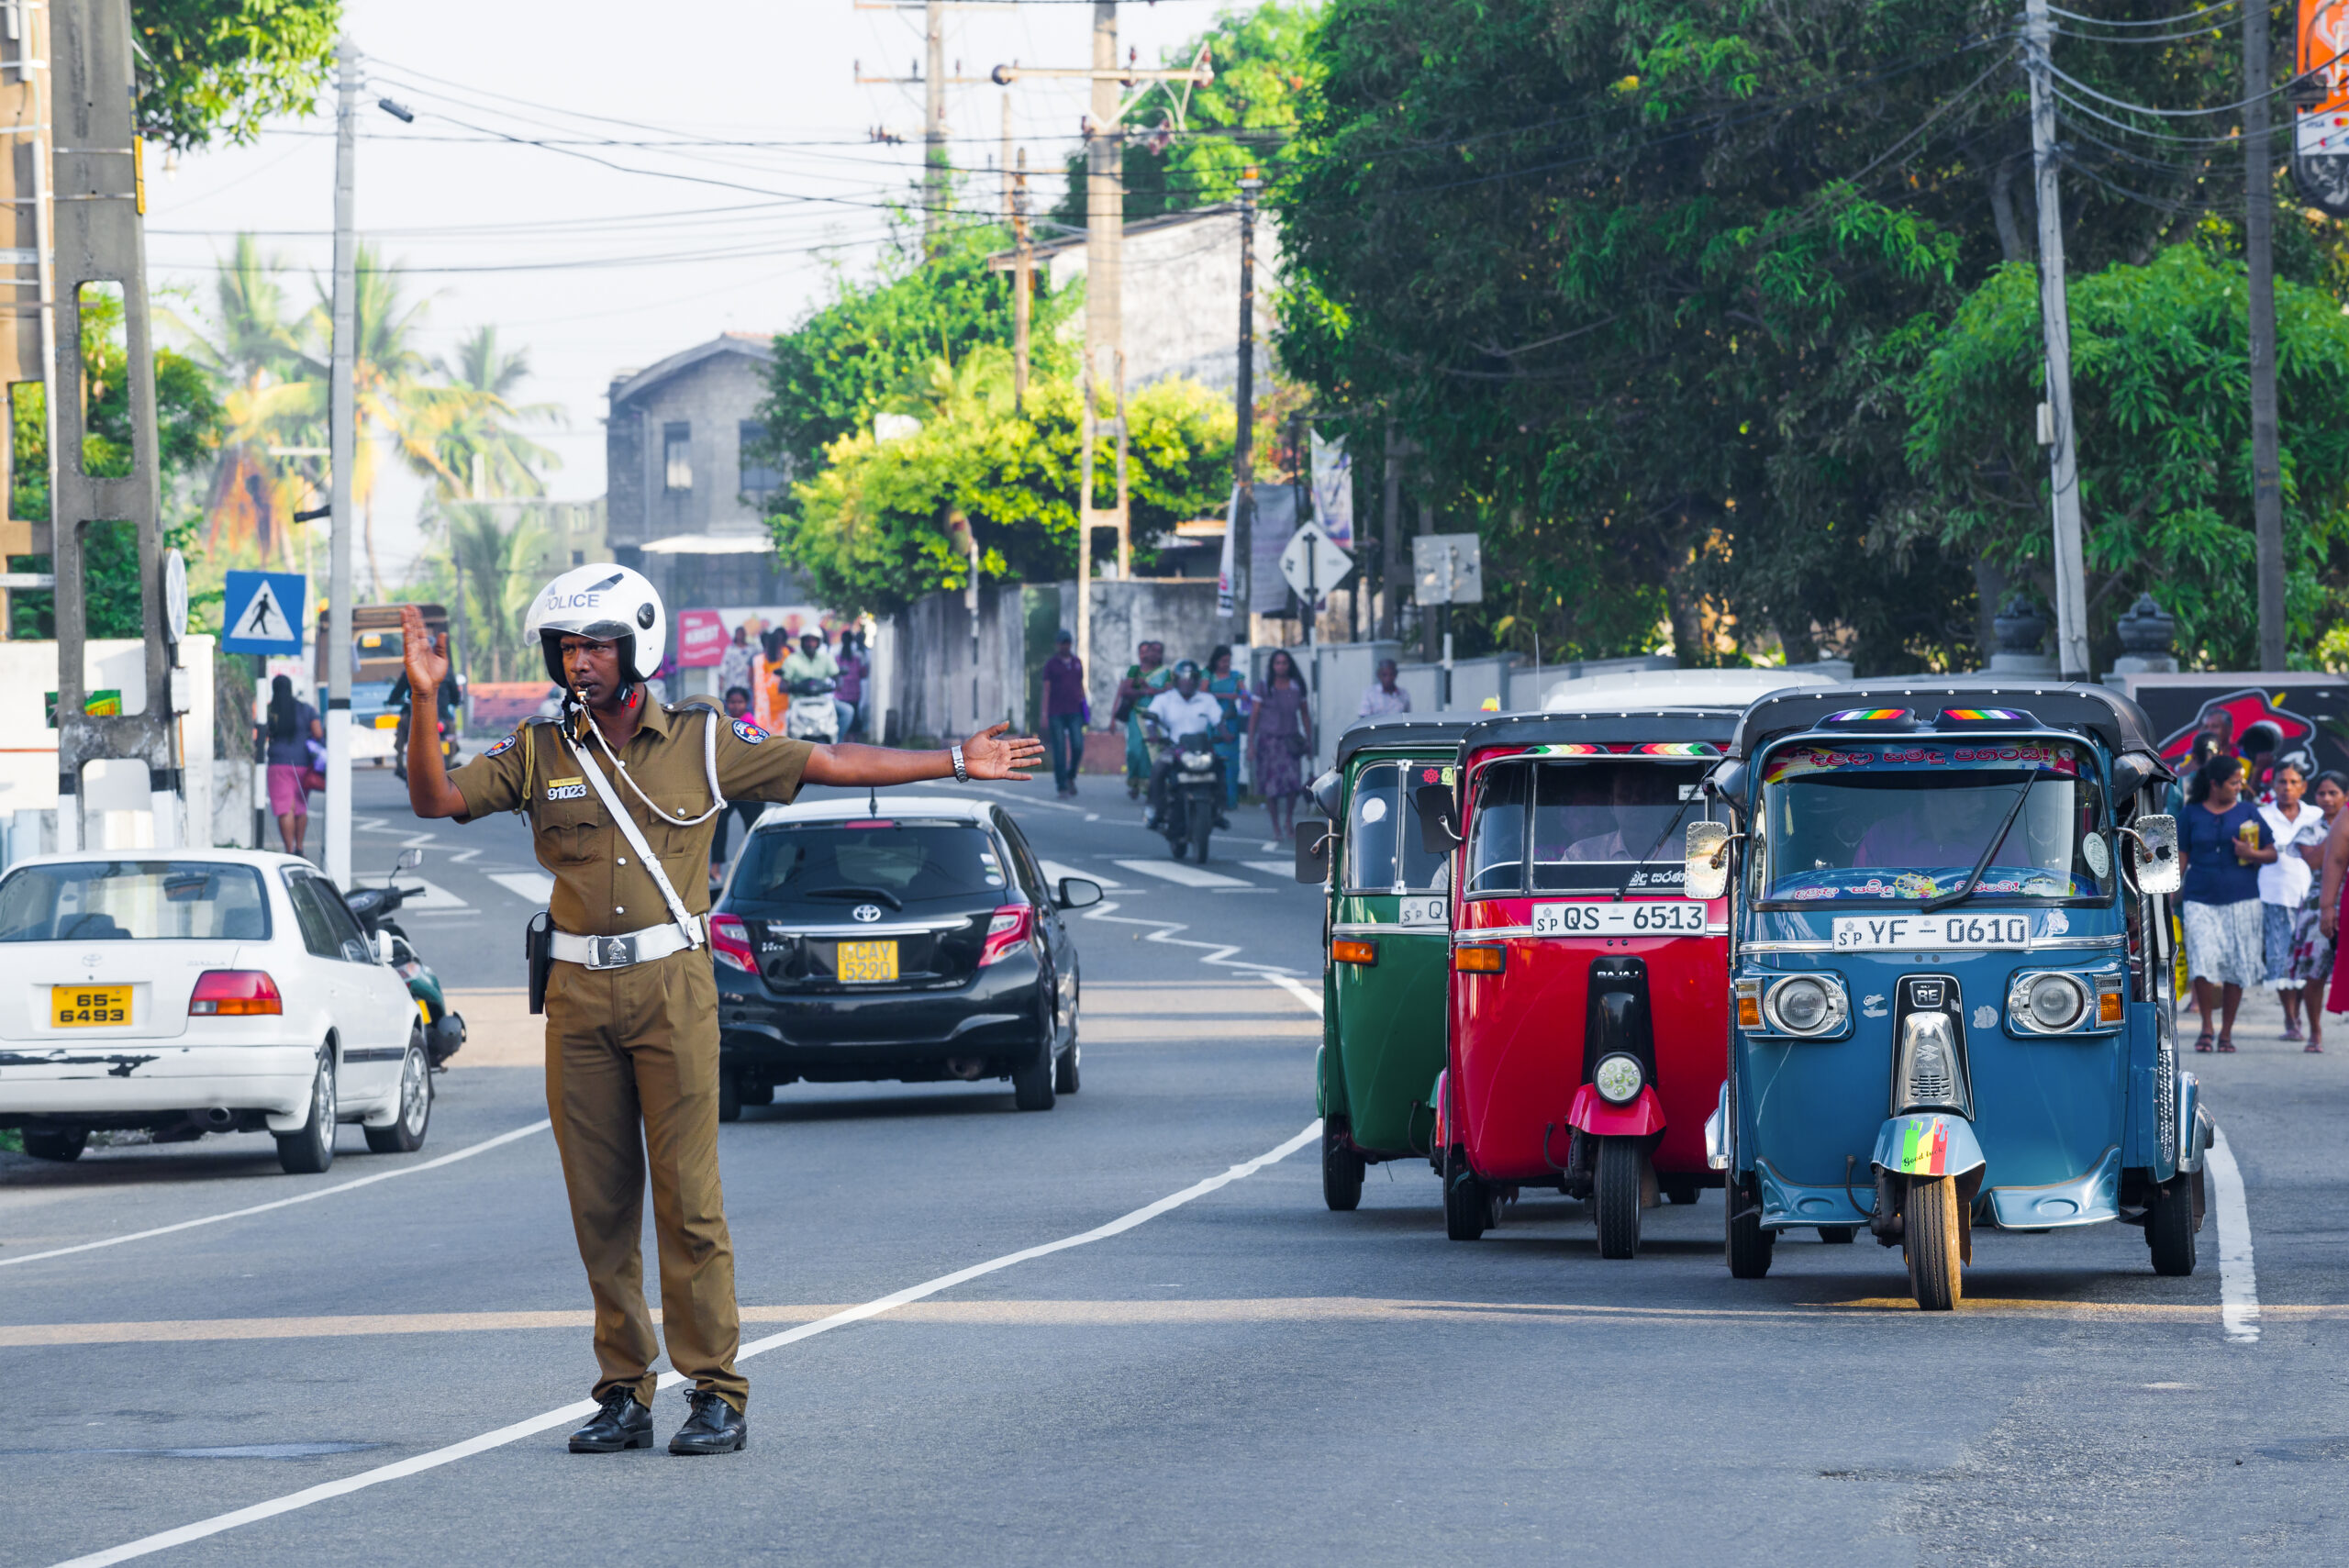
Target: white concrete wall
(1182, 299)
(29, 747)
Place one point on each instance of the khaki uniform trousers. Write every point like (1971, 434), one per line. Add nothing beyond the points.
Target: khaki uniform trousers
(632, 1090)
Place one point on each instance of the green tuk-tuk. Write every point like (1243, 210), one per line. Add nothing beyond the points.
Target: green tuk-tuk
(1386, 946)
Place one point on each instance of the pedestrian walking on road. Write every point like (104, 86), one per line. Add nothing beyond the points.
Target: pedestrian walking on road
(1065, 713)
(1282, 737)
(291, 729)
(631, 999)
(1383, 696)
(847, 695)
(2296, 825)
(2311, 959)
(2223, 843)
(737, 706)
(1229, 687)
(1145, 678)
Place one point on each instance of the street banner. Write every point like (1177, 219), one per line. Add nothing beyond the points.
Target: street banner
(1333, 490)
(701, 639)
(1223, 588)
(2321, 112)
(1268, 536)
(262, 612)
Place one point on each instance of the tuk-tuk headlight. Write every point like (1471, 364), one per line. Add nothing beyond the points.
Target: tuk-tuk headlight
(1930, 1077)
(1806, 1005)
(2057, 1002)
(1618, 1078)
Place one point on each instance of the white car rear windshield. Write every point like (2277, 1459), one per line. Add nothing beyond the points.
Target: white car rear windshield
(97, 901)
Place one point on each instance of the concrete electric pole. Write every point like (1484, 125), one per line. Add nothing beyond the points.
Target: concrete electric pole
(1243, 411)
(2054, 315)
(343, 441)
(2259, 267)
(1023, 269)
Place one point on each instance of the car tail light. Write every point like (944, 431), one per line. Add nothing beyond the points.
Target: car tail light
(729, 943)
(232, 993)
(1479, 959)
(1008, 929)
(1353, 950)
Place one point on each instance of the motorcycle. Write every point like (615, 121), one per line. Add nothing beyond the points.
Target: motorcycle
(1193, 800)
(813, 716)
(444, 1029)
(399, 741)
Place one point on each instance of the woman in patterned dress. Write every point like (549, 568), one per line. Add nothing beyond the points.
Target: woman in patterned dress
(1280, 724)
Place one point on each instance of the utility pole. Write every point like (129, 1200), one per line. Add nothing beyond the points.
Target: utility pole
(1243, 444)
(933, 125)
(1006, 156)
(1390, 533)
(1023, 274)
(2054, 315)
(1125, 496)
(2259, 266)
(342, 441)
(1105, 221)
(1085, 518)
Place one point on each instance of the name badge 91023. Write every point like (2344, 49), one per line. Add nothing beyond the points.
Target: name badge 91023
(1935, 933)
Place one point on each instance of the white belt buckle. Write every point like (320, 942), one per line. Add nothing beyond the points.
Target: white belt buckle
(611, 953)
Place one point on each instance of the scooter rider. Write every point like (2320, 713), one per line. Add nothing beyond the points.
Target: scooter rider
(631, 1034)
(1184, 710)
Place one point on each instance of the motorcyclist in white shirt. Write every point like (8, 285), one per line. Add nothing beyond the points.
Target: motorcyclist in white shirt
(1182, 709)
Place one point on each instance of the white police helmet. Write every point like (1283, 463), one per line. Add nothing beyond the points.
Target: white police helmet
(608, 603)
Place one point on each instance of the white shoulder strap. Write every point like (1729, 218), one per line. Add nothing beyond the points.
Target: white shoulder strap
(709, 755)
(635, 837)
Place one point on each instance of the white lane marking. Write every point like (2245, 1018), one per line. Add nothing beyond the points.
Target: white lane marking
(1298, 989)
(1273, 868)
(2238, 1284)
(434, 896)
(219, 1523)
(535, 886)
(1181, 871)
(1093, 816)
(449, 1159)
(1218, 954)
(1056, 870)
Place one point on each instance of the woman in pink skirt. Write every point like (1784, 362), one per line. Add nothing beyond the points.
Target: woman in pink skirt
(292, 727)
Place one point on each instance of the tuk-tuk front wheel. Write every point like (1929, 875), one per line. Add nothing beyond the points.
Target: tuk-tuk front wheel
(1615, 1196)
(1342, 1168)
(1931, 1237)
(1748, 1244)
(2169, 1226)
(1467, 1207)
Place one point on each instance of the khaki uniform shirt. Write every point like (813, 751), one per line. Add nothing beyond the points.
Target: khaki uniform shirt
(599, 890)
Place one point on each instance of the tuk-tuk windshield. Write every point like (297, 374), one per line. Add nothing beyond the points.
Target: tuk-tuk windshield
(1581, 826)
(1907, 821)
(1384, 853)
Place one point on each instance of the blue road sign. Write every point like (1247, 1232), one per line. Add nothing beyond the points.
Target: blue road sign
(263, 612)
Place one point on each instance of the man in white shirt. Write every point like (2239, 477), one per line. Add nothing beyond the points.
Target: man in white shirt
(1180, 711)
(1382, 696)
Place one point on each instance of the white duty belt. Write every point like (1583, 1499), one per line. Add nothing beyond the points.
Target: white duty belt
(627, 948)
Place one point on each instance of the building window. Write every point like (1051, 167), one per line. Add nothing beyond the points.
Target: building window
(760, 478)
(677, 457)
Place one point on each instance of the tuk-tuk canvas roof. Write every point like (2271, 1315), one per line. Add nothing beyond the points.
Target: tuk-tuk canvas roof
(1622, 725)
(1371, 733)
(2096, 711)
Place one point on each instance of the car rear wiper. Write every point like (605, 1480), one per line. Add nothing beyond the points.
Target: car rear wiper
(1967, 891)
(881, 893)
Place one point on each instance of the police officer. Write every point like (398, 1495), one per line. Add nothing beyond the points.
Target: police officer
(632, 1007)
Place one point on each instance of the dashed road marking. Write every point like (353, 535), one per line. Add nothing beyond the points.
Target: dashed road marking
(535, 886)
(1181, 871)
(2238, 1283)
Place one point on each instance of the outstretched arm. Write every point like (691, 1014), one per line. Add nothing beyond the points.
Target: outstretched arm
(987, 756)
(429, 793)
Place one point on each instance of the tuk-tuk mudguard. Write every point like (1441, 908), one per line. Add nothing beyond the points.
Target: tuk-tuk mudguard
(2083, 1200)
(1323, 1104)
(1591, 1114)
(2193, 1124)
(1927, 1143)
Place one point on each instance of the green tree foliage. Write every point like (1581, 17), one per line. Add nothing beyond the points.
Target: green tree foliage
(1641, 279)
(870, 349)
(869, 532)
(218, 68)
(2161, 397)
(1264, 64)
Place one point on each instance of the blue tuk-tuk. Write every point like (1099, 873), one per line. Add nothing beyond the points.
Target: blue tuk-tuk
(1951, 997)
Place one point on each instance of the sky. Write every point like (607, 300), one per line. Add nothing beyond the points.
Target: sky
(716, 172)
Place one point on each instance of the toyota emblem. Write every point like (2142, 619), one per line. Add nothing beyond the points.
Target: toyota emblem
(867, 912)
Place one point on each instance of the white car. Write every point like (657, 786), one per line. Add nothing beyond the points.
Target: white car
(196, 991)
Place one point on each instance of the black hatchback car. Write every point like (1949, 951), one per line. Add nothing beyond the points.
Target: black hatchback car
(911, 939)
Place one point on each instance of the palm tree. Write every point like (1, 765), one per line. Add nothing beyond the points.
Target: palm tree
(258, 357)
(476, 438)
(492, 548)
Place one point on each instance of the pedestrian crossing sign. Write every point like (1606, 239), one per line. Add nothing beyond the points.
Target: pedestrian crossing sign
(262, 612)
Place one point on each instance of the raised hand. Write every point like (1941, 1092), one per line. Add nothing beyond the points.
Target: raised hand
(427, 656)
(988, 757)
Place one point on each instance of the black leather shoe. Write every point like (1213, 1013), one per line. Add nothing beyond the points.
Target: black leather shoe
(715, 1427)
(623, 1422)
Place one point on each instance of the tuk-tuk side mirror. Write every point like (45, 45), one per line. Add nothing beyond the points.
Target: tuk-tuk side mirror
(1313, 841)
(1077, 892)
(2133, 771)
(1439, 831)
(1328, 792)
(2153, 855)
(1707, 873)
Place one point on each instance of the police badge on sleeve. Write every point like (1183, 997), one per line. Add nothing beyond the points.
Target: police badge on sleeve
(503, 746)
(748, 733)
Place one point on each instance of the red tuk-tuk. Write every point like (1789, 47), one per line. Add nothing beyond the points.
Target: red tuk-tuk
(1587, 1000)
